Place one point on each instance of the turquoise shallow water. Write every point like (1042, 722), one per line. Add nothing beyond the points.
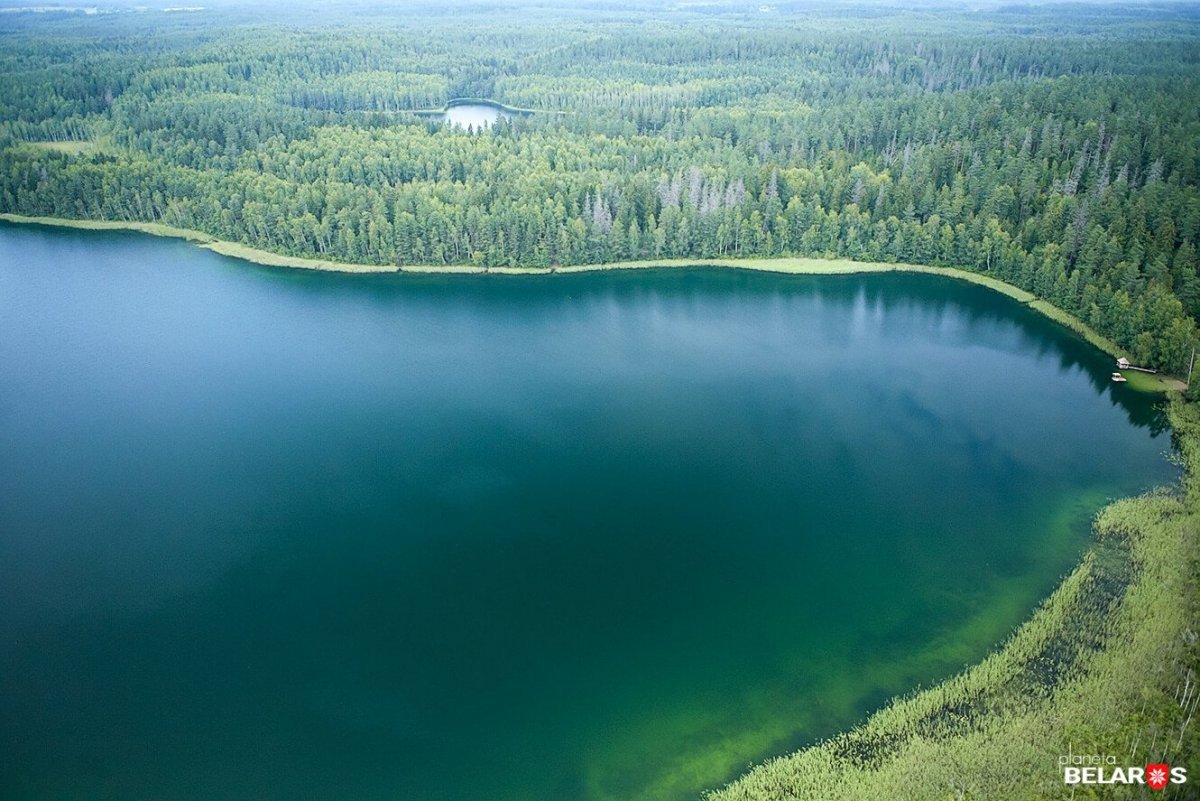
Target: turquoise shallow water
(276, 535)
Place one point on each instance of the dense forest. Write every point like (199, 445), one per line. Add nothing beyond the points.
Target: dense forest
(1056, 150)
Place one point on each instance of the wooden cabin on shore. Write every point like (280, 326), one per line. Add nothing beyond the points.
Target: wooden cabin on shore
(1123, 364)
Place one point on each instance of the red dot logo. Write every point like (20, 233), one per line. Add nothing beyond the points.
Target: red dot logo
(1157, 776)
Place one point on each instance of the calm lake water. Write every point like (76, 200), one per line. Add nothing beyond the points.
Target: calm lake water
(279, 535)
(474, 115)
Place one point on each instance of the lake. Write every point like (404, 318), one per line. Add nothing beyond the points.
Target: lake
(473, 115)
(275, 534)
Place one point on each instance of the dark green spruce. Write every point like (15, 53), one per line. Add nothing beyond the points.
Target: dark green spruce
(1056, 149)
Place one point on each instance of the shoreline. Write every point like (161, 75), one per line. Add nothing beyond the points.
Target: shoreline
(1132, 592)
(1113, 637)
(476, 101)
(792, 265)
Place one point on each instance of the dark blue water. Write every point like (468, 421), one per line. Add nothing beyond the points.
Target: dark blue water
(267, 534)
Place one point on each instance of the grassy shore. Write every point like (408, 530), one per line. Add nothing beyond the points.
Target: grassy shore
(1107, 665)
(795, 265)
(232, 249)
(246, 253)
(155, 229)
